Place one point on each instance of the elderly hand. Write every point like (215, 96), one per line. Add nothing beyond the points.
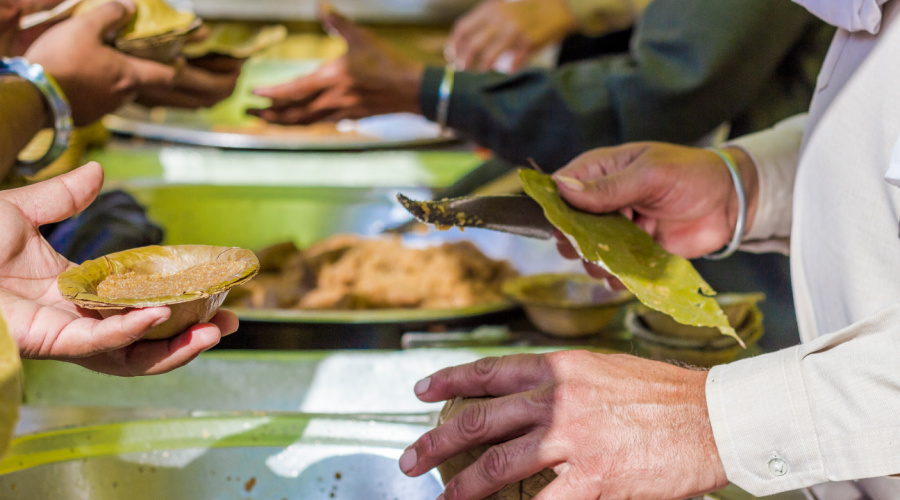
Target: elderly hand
(683, 197)
(611, 427)
(515, 29)
(372, 78)
(45, 326)
(97, 79)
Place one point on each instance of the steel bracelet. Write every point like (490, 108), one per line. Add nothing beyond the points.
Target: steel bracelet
(742, 207)
(444, 91)
(56, 100)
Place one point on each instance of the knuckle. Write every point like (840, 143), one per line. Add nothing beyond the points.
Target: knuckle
(427, 445)
(484, 367)
(472, 421)
(493, 464)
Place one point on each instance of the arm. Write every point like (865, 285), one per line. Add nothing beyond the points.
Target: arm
(679, 82)
(813, 413)
(24, 113)
(596, 17)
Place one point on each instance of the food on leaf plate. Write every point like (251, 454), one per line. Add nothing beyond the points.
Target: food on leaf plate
(192, 280)
(157, 31)
(347, 272)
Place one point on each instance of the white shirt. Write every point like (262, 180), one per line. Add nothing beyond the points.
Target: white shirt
(829, 409)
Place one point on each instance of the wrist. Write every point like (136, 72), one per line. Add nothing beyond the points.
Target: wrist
(750, 180)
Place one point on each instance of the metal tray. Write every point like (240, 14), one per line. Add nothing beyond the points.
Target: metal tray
(211, 457)
(221, 125)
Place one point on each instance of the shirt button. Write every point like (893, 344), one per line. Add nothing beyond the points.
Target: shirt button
(778, 467)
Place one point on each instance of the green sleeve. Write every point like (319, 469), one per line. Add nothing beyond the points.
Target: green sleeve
(693, 65)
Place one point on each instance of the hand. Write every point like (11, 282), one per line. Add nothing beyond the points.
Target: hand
(45, 326)
(684, 197)
(611, 427)
(198, 83)
(372, 78)
(519, 28)
(96, 78)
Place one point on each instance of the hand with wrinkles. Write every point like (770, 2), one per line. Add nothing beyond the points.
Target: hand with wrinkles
(372, 78)
(684, 197)
(611, 427)
(499, 28)
(45, 326)
(97, 79)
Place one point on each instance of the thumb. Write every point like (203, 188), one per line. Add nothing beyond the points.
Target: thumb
(151, 74)
(109, 17)
(335, 23)
(60, 197)
(603, 195)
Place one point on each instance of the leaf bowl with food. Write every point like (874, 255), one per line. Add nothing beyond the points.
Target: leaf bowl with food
(192, 280)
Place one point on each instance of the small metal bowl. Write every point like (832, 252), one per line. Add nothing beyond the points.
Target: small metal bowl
(567, 305)
(736, 307)
(695, 351)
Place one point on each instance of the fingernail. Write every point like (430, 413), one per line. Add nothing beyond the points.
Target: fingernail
(408, 460)
(570, 182)
(422, 386)
(158, 322)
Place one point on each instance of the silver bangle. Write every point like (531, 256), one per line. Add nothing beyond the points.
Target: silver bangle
(742, 207)
(56, 100)
(444, 91)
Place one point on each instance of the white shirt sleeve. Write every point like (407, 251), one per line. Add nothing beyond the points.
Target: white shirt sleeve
(596, 17)
(775, 152)
(822, 411)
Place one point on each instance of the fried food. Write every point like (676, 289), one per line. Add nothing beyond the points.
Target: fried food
(346, 272)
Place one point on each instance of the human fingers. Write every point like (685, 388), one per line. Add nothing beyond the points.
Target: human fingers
(486, 377)
(503, 42)
(499, 465)
(470, 24)
(84, 337)
(470, 52)
(295, 115)
(218, 64)
(226, 321)
(154, 357)
(299, 88)
(107, 19)
(487, 421)
(564, 246)
(60, 197)
(336, 23)
(604, 194)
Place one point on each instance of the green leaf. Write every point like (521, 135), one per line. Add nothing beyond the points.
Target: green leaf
(660, 280)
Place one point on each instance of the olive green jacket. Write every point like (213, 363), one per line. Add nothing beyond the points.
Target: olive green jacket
(693, 65)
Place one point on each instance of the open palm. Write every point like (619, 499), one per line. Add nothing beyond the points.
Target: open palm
(44, 325)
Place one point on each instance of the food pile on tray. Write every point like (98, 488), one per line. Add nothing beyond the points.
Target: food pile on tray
(348, 272)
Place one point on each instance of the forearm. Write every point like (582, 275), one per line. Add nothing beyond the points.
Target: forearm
(669, 88)
(823, 411)
(23, 114)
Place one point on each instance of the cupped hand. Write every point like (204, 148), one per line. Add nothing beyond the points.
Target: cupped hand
(96, 78)
(45, 326)
(610, 426)
(372, 78)
(684, 197)
(514, 30)
(198, 83)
